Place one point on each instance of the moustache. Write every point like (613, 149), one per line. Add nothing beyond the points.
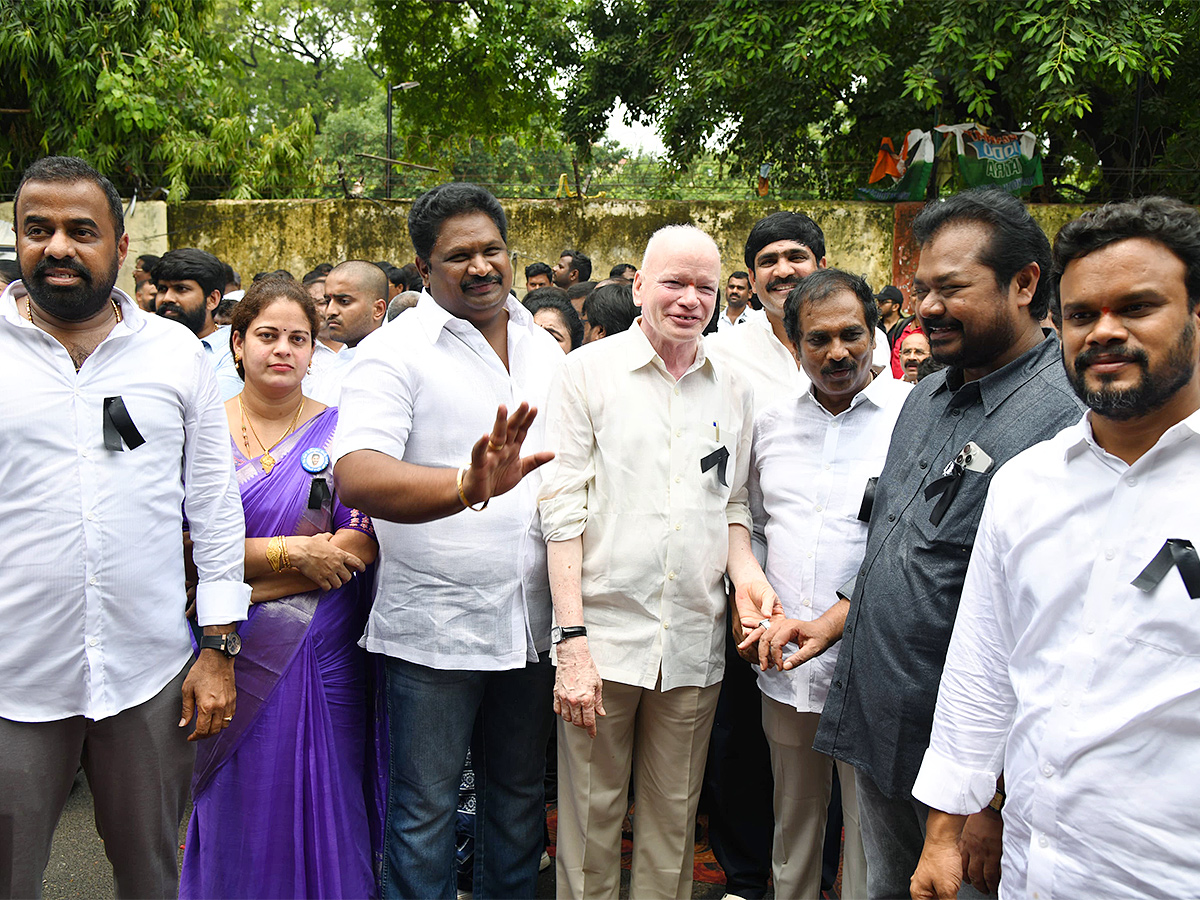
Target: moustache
(832, 368)
(476, 282)
(1090, 355)
(945, 322)
(781, 283)
(49, 262)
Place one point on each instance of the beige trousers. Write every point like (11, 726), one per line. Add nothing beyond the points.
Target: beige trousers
(662, 736)
(803, 782)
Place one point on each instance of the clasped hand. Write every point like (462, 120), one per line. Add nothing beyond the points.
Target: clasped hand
(323, 562)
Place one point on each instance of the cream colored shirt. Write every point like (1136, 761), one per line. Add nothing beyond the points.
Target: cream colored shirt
(628, 477)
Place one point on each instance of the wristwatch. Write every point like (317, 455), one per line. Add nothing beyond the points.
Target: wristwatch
(558, 635)
(229, 644)
(997, 803)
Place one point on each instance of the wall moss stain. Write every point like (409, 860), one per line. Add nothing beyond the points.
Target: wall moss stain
(262, 235)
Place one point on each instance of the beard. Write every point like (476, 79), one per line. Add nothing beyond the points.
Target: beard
(975, 350)
(74, 303)
(1151, 392)
(194, 319)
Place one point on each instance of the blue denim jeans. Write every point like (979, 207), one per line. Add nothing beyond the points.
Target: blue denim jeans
(434, 716)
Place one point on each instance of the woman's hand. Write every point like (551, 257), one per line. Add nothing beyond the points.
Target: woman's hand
(323, 563)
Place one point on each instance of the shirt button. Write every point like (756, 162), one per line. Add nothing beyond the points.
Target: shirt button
(828, 467)
(676, 391)
(1131, 481)
(923, 464)
(92, 580)
(1066, 700)
(818, 507)
(1110, 553)
(1047, 770)
(91, 516)
(807, 602)
(956, 412)
(678, 526)
(92, 642)
(891, 517)
(85, 452)
(809, 554)
(666, 626)
(670, 576)
(678, 432)
(838, 684)
(1043, 841)
(678, 479)
(1090, 628)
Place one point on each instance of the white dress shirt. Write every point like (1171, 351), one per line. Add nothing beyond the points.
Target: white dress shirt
(808, 473)
(220, 354)
(1084, 689)
(469, 591)
(747, 315)
(762, 360)
(91, 540)
(627, 476)
(323, 382)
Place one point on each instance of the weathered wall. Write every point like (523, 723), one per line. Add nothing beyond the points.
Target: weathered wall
(295, 235)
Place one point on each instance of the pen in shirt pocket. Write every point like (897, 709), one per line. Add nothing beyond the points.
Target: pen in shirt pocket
(717, 431)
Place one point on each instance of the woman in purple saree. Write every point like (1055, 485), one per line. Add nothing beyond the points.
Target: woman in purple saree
(288, 798)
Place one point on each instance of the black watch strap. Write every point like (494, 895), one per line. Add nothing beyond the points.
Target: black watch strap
(558, 635)
(228, 644)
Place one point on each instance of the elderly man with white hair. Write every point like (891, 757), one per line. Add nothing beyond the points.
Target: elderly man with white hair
(639, 509)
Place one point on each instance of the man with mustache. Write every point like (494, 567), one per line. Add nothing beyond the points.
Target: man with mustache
(914, 350)
(116, 429)
(1075, 657)
(354, 304)
(982, 288)
(781, 250)
(815, 455)
(189, 284)
(461, 616)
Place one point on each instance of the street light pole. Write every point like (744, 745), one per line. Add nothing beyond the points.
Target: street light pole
(387, 167)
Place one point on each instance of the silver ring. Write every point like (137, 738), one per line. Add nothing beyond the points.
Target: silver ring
(764, 624)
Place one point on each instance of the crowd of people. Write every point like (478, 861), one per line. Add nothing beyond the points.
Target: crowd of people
(326, 554)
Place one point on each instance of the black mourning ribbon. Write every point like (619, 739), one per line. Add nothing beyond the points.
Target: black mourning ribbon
(868, 500)
(319, 492)
(947, 486)
(718, 458)
(119, 426)
(1176, 553)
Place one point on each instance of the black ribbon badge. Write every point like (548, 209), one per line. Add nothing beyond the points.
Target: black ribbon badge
(1176, 553)
(868, 500)
(118, 426)
(319, 492)
(718, 458)
(971, 458)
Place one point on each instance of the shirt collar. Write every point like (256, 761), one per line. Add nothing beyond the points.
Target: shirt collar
(996, 387)
(639, 352)
(433, 317)
(874, 393)
(1080, 437)
(132, 315)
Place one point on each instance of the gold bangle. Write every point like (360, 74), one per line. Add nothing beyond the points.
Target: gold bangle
(275, 554)
(287, 557)
(463, 497)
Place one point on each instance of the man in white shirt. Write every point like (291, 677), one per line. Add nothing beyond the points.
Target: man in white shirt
(814, 460)
(462, 605)
(190, 284)
(647, 492)
(116, 427)
(737, 302)
(355, 303)
(1075, 656)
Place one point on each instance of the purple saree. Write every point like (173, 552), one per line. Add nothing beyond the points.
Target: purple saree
(288, 799)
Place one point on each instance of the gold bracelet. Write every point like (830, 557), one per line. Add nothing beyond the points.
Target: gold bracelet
(463, 497)
(274, 554)
(287, 557)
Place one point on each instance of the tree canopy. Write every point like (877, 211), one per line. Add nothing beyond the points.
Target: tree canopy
(140, 88)
(810, 88)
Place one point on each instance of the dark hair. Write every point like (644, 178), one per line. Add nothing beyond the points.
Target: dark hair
(820, 286)
(10, 271)
(784, 226)
(611, 307)
(67, 170)
(745, 276)
(619, 270)
(412, 277)
(274, 273)
(1165, 220)
(445, 201)
(147, 260)
(1016, 239)
(579, 263)
(533, 270)
(394, 276)
(190, 264)
(231, 277)
(317, 274)
(580, 289)
(928, 366)
(555, 298)
(262, 294)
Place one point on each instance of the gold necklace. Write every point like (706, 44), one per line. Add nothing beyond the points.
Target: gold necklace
(268, 461)
(116, 310)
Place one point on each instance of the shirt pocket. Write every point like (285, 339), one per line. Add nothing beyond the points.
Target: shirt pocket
(1165, 619)
(713, 464)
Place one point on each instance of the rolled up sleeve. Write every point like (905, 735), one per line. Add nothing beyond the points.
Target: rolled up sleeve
(563, 498)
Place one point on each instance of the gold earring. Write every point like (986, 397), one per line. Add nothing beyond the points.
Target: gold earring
(237, 357)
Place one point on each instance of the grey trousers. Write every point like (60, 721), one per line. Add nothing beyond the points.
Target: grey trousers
(893, 833)
(138, 764)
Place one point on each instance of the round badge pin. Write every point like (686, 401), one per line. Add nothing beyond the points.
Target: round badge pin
(314, 460)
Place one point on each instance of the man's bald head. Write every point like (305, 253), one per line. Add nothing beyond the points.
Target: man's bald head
(356, 297)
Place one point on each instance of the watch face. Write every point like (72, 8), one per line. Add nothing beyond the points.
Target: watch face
(555, 634)
(233, 644)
